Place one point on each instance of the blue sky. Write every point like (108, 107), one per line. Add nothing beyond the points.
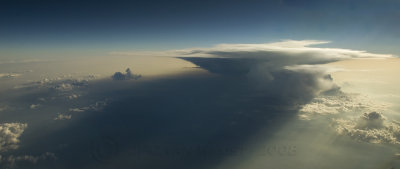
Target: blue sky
(35, 26)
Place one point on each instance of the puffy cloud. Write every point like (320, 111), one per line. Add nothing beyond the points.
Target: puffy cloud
(61, 116)
(68, 85)
(73, 96)
(370, 127)
(62, 83)
(9, 135)
(12, 161)
(355, 116)
(78, 109)
(128, 75)
(97, 106)
(34, 106)
(372, 120)
(340, 103)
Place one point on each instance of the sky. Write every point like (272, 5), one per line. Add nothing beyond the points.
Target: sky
(199, 84)
(53, 27)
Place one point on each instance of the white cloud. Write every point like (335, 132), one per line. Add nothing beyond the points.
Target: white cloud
(288, 49)
(329, 104)
(34, 106)
(355, 116)
(291, 48)
(368, 131)
(78, 109)
(9, 75)
(73, 96)
(61, 116)
(9, 135)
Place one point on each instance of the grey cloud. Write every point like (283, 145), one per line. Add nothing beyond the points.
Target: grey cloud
(372, 120)
(12, 161)
(2, 107)
(97, 106)
(125, 76)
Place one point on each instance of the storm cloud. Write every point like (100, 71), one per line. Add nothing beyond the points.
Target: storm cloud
(198, 118)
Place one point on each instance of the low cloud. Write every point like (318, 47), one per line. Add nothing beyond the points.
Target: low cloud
(61, 116)
(9, 135)
(125, 76)
(340, 103)
(12, 161)
(355, 116)
(371, 120)
(97, 106)
(370, 127)
(34, 106)
(9, 75)
(73, 96)
(61, 84)
(2, 108)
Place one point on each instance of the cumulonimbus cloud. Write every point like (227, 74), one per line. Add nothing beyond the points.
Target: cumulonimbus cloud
(301, 49)
(244, 58)
(292, 71)
(288, 69)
